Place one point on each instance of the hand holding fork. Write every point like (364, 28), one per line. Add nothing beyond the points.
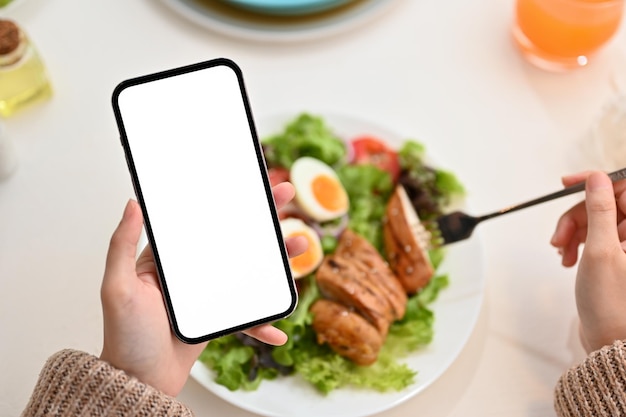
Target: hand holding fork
(459, 226)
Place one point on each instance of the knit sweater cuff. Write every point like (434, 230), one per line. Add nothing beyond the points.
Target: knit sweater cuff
(596, 387)
(74, 383)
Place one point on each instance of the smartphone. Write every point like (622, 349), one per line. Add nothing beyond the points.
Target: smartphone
(200, 177)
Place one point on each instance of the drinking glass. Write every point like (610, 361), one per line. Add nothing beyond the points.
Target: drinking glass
(559, 35)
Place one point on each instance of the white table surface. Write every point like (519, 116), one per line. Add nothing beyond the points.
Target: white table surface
(444, 73)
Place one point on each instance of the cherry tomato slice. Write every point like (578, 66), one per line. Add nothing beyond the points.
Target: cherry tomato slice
(371, 150)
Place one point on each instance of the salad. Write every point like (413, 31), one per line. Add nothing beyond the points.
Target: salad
(369, 172)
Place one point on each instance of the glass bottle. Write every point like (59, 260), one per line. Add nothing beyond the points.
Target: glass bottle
(23, 77)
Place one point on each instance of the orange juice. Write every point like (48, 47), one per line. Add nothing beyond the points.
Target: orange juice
(561, 34)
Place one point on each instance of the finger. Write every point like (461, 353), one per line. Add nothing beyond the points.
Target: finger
(572, 179)
(296, 245)
(621, 199)
(120, 261)
(570, 252)
(146, 268)
(283, 194)
(621, 230)
(620, 185)
(601, 211)
(146, 253)
(268, 334)
(570, 233)
(568, 224)
(576, 178)
(564, 231)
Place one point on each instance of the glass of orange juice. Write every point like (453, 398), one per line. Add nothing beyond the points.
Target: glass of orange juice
(559, 35)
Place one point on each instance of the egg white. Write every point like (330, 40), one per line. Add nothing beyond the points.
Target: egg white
(291, 226)
(303, 171)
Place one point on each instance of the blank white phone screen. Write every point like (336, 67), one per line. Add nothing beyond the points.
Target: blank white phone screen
(199, 176)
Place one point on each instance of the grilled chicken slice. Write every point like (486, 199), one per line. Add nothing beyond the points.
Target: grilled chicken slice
(367, 259)
(346, 332)
(405, 243)
(340, 280)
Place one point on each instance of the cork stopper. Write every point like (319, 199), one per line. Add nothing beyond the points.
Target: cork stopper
(9, 36)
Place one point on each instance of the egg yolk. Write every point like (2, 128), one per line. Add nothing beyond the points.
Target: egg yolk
(304, 262)
(329, 193)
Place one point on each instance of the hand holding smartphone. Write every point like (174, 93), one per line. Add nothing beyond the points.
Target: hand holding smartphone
(200, 178)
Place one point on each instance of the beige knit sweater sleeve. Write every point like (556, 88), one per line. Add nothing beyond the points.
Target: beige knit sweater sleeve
(596, 387)
(74, 383)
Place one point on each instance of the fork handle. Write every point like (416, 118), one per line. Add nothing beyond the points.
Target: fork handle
(614, 176)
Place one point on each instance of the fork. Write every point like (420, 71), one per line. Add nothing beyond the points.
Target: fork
(458, 226)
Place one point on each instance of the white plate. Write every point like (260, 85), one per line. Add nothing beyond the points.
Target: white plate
(231, 21)
(456, 312)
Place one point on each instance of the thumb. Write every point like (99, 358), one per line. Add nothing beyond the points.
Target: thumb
(122, 252)
(601, 210)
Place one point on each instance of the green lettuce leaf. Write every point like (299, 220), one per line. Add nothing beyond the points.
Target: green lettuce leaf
(369, 189)
(307, 135)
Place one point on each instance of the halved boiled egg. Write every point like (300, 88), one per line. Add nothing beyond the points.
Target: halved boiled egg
(319, 193)
(307, 262)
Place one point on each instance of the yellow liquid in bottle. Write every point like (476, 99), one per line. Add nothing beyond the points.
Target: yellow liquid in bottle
(23, 83)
